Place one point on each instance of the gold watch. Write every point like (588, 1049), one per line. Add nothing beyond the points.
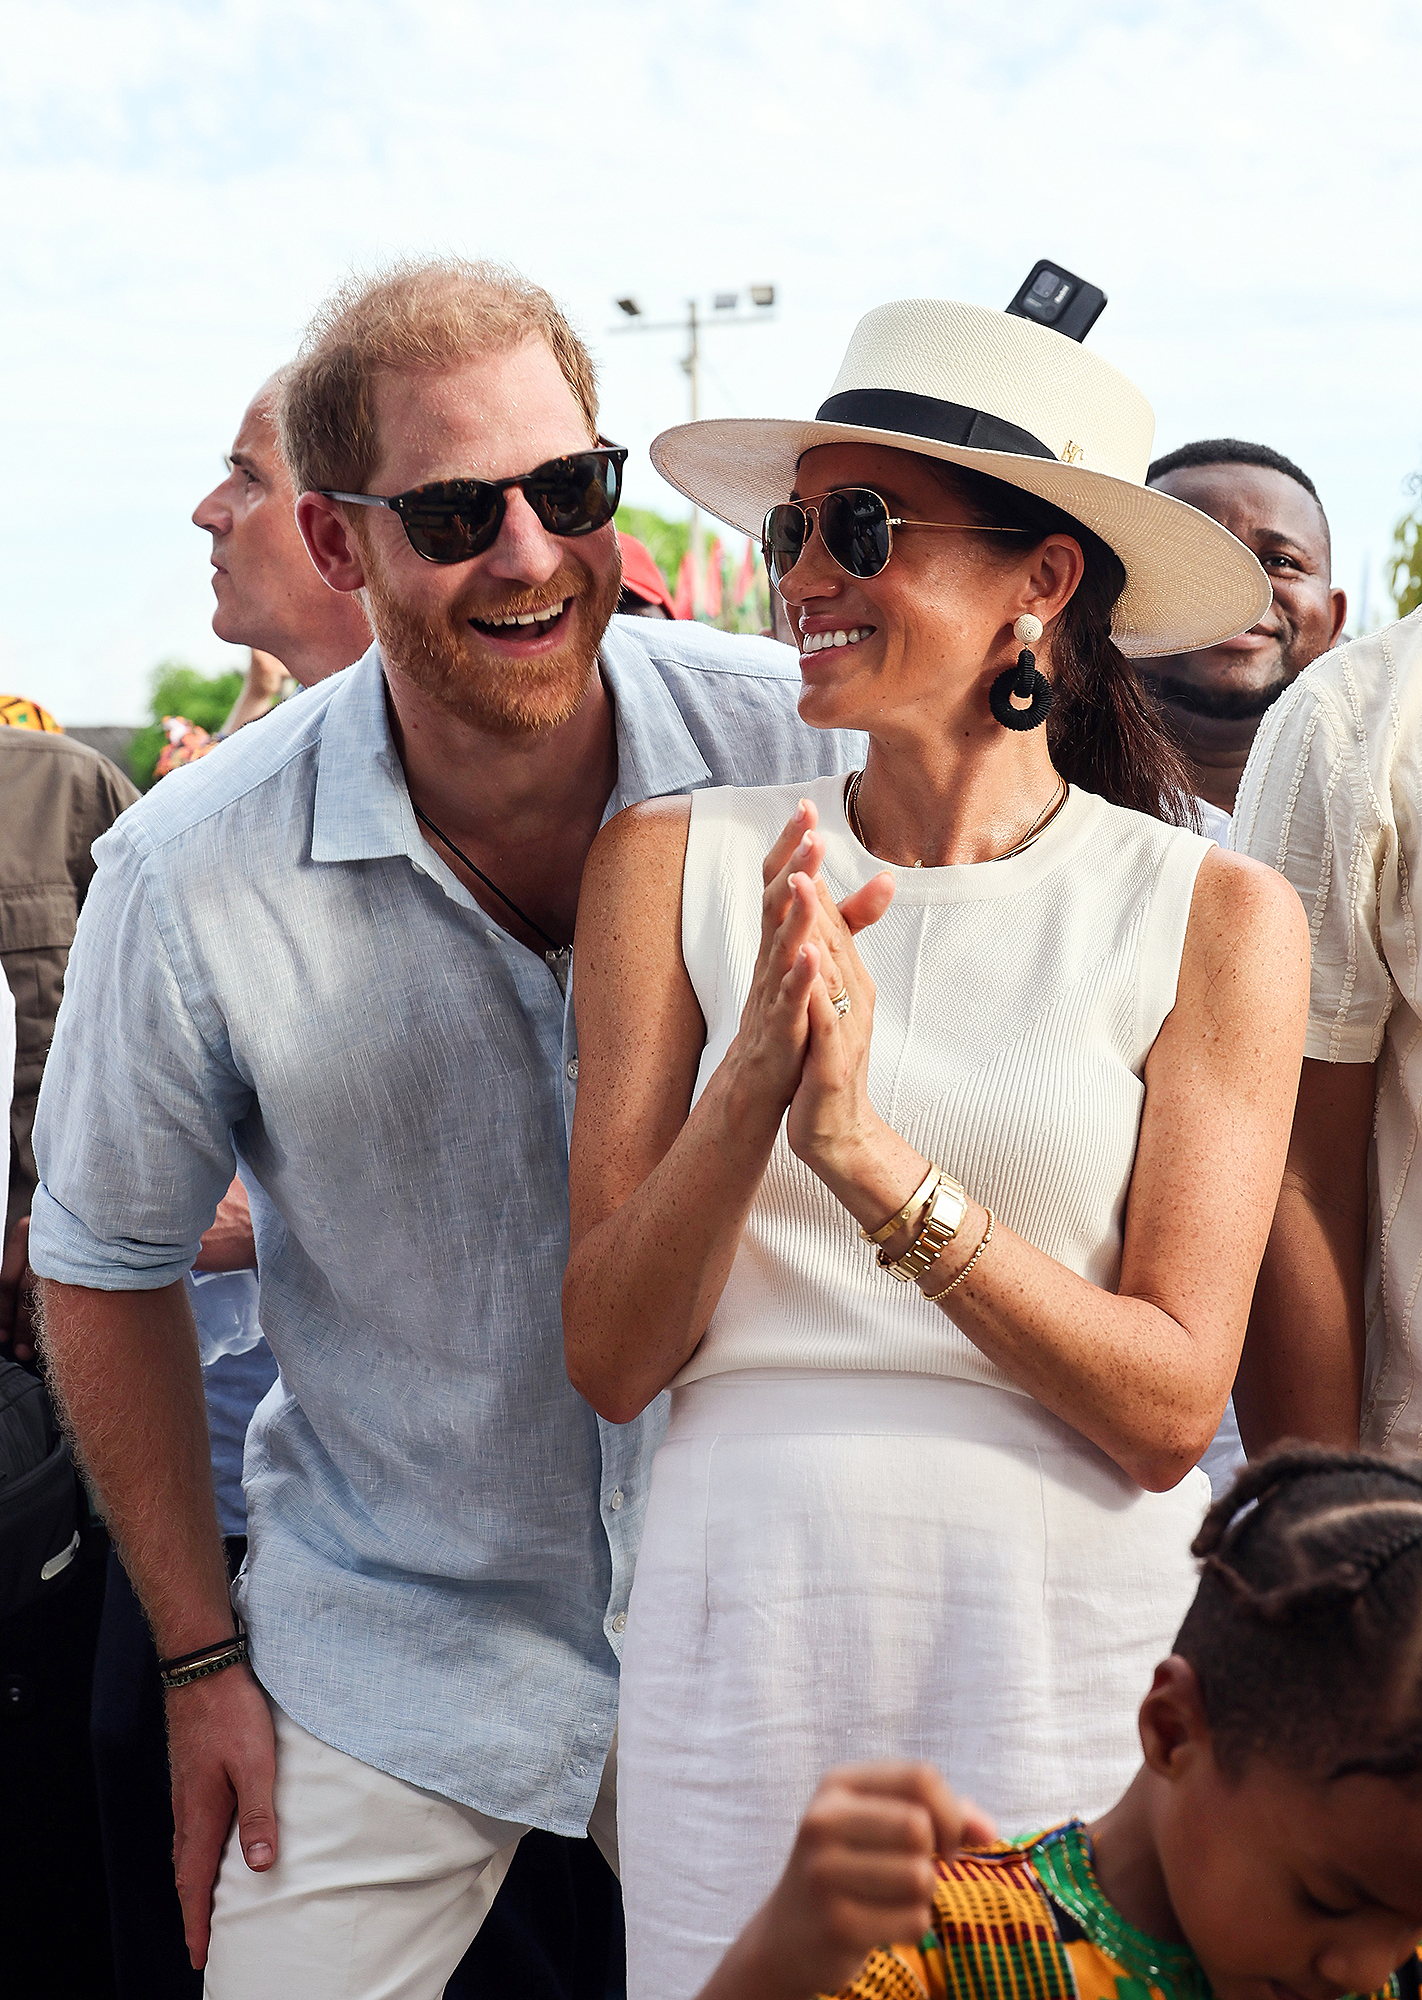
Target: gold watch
(942, 1219)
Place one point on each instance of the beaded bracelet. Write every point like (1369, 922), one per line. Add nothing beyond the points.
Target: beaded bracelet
(954, 1283)
(185, 1667)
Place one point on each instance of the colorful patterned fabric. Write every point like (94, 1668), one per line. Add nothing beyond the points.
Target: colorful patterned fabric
(187, 741)
(1027, 1921)
(21, 713)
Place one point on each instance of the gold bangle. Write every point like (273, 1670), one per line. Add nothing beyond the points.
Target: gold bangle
(896, 1222)
(953, 1283)
(935, 1233)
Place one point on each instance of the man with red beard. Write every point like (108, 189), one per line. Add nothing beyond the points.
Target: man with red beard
(339, 953)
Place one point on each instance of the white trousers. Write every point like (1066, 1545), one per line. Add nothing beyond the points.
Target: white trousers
(378, 1887)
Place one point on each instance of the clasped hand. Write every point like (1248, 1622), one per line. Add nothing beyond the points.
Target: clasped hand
(794, 1051)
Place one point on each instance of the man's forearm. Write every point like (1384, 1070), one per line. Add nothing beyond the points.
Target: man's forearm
(1301, 1372)
(125, 1365)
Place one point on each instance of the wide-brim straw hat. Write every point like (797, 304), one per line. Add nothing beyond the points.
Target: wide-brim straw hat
(1029, 406)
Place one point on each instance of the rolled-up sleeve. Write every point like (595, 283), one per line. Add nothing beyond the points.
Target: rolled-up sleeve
(1308, 806)
(133, 1131)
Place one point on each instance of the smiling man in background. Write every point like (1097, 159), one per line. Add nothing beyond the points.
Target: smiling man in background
(339, 950)
(1213, 700)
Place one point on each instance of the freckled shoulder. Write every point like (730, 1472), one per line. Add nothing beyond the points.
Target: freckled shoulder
(1239, 899)
(640, 852)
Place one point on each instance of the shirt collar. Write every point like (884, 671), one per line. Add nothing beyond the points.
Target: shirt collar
(656, 755)
(362, 807)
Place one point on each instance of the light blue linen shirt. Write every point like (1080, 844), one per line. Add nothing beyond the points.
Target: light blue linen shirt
(272, 960)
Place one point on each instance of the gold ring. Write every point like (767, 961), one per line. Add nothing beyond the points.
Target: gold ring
(840, 1001)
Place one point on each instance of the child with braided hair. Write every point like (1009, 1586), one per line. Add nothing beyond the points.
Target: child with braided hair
(1269, 1847)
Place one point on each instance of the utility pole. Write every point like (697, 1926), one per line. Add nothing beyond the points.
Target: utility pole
(723, 313)
(692, 366)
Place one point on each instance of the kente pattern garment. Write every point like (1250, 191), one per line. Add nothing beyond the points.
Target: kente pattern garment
(1028, 1921)
(19, 712)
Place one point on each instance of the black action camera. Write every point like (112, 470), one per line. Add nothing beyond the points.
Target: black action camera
(1056, 298)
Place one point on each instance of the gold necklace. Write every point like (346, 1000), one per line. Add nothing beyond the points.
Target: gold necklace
(1034, 831)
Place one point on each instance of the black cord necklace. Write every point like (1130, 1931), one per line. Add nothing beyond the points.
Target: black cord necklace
(557, 955)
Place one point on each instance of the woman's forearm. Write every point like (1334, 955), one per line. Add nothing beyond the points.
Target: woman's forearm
(1118, 1369)
(642, 1284)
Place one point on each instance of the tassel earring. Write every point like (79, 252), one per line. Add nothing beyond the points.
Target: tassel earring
(1023, 681)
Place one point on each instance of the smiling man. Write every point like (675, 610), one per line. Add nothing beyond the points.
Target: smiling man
(338, 952)
(1213, 700)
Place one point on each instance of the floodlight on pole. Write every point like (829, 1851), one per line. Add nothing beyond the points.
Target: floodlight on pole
(723, 305)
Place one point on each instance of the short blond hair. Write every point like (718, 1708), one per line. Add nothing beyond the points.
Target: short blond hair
(408, 317)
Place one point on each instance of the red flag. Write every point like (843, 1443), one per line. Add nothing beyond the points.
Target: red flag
(745, 575)
(683, 596)
(711, 604)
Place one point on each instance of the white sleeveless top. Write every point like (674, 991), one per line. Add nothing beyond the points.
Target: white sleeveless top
(1017, 1002)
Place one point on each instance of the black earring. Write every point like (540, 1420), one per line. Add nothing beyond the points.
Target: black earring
(1024, 681)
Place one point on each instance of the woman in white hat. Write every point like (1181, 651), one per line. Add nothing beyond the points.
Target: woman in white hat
(990, 1024)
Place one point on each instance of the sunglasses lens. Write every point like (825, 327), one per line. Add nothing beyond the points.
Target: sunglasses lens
(782, 540)
(854, 526)
(453, 520)
(577, 495)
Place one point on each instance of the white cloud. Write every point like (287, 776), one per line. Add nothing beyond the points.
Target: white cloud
(185, 181)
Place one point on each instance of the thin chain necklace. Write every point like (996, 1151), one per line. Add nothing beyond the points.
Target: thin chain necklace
(558, 956)
(1034, 831)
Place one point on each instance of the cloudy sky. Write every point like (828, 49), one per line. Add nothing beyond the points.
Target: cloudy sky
(184, 181)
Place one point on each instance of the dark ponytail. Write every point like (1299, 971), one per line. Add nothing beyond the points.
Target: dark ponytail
(1104, 730)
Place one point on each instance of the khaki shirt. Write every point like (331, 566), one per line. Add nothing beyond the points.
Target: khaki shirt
(56, 797)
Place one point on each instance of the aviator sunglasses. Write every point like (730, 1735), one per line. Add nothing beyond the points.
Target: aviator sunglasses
(454, 520)
(855, 526)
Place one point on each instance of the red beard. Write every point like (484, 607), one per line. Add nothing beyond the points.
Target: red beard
(444, 657)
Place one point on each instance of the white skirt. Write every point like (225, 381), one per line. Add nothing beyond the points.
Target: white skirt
(838, 1567)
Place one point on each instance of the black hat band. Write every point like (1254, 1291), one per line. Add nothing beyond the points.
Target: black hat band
(927, 417)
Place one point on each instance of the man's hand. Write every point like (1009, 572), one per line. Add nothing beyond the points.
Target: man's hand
(229, 1245)
(18, 1303)
(223, 1755)
(860, 1875)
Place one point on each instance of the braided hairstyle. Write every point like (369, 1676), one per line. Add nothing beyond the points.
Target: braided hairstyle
(1306, 1631)
(1105, 732)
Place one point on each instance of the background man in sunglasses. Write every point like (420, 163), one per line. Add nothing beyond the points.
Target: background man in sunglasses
(339, 950)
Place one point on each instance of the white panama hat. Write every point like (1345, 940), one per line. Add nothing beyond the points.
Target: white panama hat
(1030, 407)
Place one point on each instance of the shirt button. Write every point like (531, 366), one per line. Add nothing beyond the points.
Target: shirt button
(619, 1623)
(581, 1770)
(616, 1501)
(570, 1069)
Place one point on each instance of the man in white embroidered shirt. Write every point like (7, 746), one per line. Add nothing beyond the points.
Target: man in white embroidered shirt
(1332, 797)
(339, 951)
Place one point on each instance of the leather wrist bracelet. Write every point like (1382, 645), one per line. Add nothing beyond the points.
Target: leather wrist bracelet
(185, 1667)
